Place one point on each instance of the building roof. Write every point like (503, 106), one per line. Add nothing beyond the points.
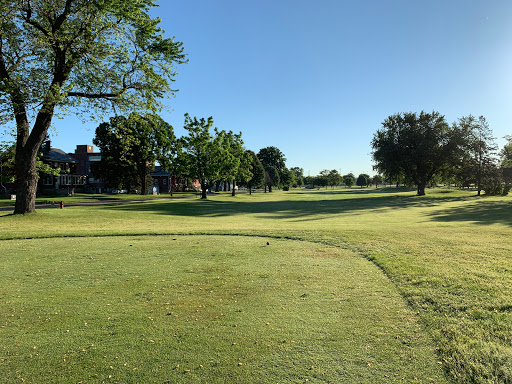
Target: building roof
(56, 154)
(159, 172)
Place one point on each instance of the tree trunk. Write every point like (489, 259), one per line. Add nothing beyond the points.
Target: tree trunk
(421, 189)
(143, 180)
(233, 189)
(27, 147)
(204, 188)
(26, 184)
(270, 188)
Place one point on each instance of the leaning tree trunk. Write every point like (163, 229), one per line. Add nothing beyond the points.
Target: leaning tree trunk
(27, 147)
(28, 144)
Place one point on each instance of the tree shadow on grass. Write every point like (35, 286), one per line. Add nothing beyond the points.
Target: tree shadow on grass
(478, 211)
(352, 191)
(287, 209)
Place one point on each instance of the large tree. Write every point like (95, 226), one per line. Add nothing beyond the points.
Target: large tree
(203, 156)
(478, 151)
(130, 147)
(287, 179)
(376, 180)
(256, 175)
(334, 178)
(417, 147)
(237, 164)
(90, 55)
(272, 157)
(363, 180)
(299, 174)
(323, 178)
(271, 178)
(349, 180)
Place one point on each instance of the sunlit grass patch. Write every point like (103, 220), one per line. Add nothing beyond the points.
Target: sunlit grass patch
(202, 309)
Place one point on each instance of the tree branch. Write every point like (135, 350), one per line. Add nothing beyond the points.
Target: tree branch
(16, 97)
(28, 19)
(108, 96)
(62, 17)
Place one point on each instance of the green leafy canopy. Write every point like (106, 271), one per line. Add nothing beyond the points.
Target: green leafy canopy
(84, 53)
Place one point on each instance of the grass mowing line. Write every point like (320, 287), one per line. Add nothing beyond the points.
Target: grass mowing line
(202, 309)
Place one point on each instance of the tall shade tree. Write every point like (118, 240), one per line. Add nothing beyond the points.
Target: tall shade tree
(272, 157)
(349, 180)
(271, 178)
(287, 178)
(415, 146)
(363, 180)
(334, 178)
(323, 178)
(237, 164)
(376, 180)
(478, 150)
(256, 175)
(203, 156)
(299, 174)
(130, 147)
(90, 55)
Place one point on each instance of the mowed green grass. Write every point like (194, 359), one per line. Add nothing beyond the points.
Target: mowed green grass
(203, 309)
(447, 254)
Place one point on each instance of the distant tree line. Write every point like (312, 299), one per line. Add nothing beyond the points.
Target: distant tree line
(333, 178)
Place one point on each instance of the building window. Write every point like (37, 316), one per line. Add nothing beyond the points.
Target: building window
(79, 180)
(164, 181)
(65, 180)
(48, 180)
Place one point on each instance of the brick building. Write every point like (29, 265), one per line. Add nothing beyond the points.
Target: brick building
(85, 156)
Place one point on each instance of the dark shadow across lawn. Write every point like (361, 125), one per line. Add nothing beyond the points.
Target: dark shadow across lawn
(478, 211)
(352, 191)
(296, 209)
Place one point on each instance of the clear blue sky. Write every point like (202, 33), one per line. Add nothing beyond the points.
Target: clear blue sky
(316, 78)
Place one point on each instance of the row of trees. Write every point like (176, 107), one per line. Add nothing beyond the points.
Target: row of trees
(131, 145)
(422, 149)
(333, 178)
(94, 57)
